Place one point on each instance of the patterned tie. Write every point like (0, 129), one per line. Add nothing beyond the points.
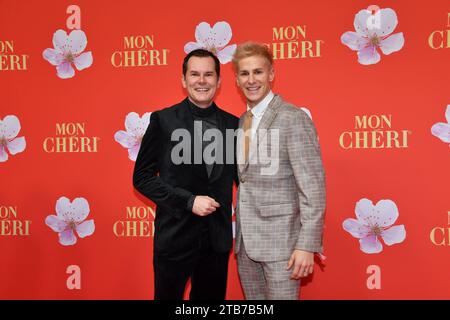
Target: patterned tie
(247, 133)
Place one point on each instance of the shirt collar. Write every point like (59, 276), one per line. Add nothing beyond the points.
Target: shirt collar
(259, 109)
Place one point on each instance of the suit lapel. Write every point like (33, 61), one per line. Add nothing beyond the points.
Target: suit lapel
(264, 125)
(218, 167)
(187, 120)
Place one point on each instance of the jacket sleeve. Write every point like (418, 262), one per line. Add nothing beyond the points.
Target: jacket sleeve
(146, 177)
(305, 158)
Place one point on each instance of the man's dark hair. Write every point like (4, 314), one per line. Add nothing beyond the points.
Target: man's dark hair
(201, 53)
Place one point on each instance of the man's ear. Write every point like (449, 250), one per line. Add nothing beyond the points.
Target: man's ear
(271, 74)
(183, 81)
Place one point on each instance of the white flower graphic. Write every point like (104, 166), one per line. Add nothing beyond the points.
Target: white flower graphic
(132, 138)
(373, 223)
(214, 39)
(9, 129)
(374, 31)
(442, 129)
(67, 50)
(70, 218)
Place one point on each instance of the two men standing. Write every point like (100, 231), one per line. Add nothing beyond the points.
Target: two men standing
(279, 211)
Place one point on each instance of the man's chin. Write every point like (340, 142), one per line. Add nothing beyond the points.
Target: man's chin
(252, 100)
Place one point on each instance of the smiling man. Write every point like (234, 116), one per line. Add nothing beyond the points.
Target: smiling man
(193, 228)
(280, 212)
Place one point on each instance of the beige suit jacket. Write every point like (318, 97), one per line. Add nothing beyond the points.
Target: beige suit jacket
(281, 197)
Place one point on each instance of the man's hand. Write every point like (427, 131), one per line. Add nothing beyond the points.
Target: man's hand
(303, 262)
(204, 205)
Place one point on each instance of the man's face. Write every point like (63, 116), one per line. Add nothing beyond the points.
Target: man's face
(254, 77)
(201, 81)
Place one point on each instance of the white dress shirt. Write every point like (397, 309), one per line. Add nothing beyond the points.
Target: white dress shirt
(258, 112)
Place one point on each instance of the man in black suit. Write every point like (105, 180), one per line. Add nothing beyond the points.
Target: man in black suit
(191, 185)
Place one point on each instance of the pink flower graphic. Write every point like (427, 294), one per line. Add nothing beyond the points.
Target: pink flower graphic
(373, 223)
(306, 110)
(374, 31)
(214, 39)
(442, 129)
(233, 222)
(70, 218)
(9, 129)
(68, 50)
(132, 138)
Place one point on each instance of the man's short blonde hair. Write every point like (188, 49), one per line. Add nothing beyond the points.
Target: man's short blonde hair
(249, 49)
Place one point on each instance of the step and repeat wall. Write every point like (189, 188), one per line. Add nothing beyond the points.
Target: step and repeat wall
(79, 80)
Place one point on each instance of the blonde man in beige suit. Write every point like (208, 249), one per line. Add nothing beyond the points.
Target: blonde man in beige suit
(281, 194)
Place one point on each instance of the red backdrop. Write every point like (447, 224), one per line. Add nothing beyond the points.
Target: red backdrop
(409, 89)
